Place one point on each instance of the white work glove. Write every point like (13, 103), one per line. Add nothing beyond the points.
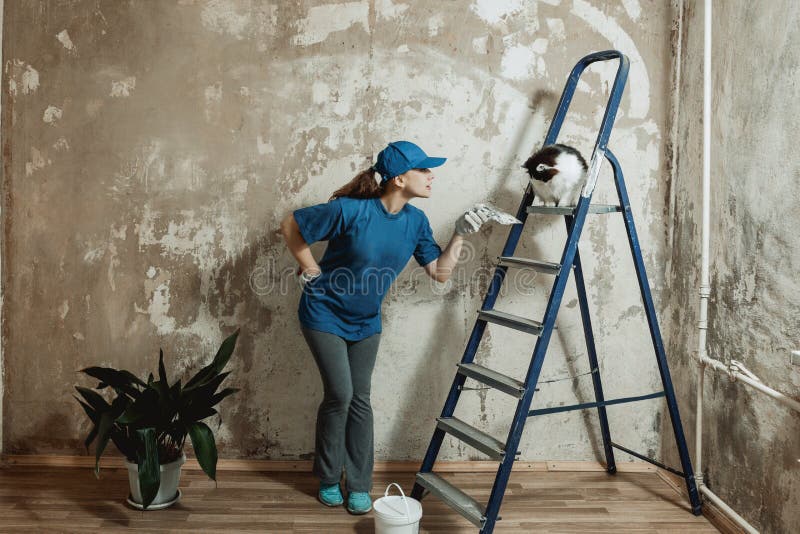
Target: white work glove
(307, 276)
(471, 221)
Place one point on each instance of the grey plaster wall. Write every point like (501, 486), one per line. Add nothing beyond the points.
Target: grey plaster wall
(750, 441)
(151, 149)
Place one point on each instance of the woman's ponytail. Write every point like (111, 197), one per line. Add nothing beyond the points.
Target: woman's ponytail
(363, 185)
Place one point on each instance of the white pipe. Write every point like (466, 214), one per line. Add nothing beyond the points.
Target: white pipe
(753, 381)
(739, 367)
(727, 509)
(738, 372)
(698, 432)
(705, 287)
(715, 365)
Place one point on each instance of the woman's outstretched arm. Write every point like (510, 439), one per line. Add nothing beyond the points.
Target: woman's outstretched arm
(469, 222)
(441, 268)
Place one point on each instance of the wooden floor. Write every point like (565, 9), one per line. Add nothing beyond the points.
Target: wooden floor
(62, 499)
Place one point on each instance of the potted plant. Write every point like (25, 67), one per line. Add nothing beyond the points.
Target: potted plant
(149, 421)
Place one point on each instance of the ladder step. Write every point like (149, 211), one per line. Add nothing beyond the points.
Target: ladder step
(569, 210)
(541, 266)
(511, 321)
(453, 497)
(470, 435)
(498, 381)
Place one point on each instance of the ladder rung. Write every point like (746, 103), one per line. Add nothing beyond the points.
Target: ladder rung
(569, 210)
(541, 266)
(454, 497)
(498, 381)
(511, 321)
(557, 409)
(470, 435)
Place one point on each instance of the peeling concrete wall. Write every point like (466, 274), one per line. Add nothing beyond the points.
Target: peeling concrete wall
(750, 442)
(152, 149)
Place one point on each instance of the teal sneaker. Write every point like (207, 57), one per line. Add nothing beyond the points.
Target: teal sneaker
(330, 495)
(358, 502)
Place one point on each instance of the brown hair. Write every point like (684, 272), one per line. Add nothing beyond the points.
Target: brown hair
(363, 185)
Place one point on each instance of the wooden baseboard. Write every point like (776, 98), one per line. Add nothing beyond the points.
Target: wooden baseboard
(715, 516)
(305, 465)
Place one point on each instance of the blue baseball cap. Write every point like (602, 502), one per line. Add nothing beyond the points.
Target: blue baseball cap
(401, 156)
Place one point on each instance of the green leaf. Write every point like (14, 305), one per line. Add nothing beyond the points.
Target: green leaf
(144, 407)
(125, 444)
(130, 417)
(175, 391)
(91, 412)
(149, 469)
(162, 372)
(218, 364)
(222, 394)
(103, 435)
(205, 449)
(199, 413)
(119, 405)
(198, 401)
(94, 417)
(123, 380)
(163, 399)
(90, 438)
(204, 392)
(94, 399)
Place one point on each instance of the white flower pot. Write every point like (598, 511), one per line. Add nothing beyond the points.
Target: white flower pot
(168, 492)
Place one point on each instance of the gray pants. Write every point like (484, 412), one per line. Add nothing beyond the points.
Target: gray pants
(344, 434)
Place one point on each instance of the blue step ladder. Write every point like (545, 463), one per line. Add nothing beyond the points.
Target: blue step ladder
(485, 517)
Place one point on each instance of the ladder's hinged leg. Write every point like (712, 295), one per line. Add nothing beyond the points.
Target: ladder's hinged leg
(655, 334)
(591, 350)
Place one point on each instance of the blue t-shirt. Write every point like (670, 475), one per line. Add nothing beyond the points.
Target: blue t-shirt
(367, 249)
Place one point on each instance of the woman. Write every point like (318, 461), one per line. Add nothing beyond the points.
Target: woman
(372, 232)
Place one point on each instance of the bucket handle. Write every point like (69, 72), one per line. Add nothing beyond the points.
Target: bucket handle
(386, 494)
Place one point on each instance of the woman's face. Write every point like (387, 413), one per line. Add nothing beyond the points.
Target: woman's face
(416, 182)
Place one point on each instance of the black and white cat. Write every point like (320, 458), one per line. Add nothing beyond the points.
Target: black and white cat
(557, 173)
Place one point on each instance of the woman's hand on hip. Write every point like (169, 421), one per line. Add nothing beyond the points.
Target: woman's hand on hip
(305, 276)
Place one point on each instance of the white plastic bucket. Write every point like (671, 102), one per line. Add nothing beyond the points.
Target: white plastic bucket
(396, 514)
